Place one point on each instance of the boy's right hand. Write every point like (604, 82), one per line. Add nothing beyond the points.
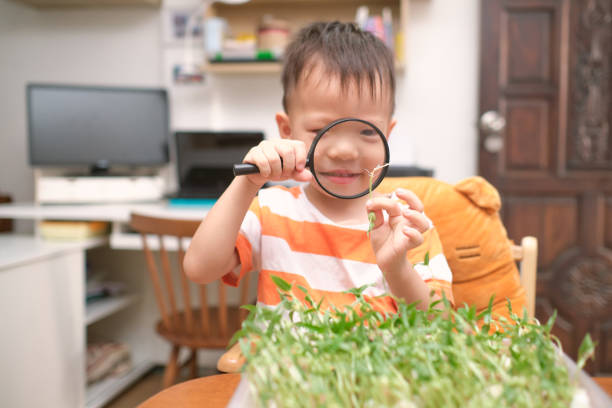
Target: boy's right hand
(278, 160)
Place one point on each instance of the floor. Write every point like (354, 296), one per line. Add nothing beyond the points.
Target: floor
(150, 385)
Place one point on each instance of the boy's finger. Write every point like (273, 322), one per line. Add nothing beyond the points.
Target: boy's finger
(415, 237)
(378, 203)
(287, 154)
(304, 175)
(256, 157)
(274, 160)
(300, 154)
(410, 198)
(417, 219)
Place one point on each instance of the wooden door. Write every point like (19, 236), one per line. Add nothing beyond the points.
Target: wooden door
(546, 74)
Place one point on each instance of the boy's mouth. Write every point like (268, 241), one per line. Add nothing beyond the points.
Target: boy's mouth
(341, 176)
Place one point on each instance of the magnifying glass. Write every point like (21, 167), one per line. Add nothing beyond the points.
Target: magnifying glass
(348, 158)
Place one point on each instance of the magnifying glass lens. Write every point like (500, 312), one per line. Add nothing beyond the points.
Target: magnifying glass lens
(348, 157)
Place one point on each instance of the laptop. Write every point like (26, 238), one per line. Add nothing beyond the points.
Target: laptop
(205, 160)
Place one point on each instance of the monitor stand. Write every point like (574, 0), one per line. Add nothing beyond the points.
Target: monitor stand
(100, 168)
(97, 185)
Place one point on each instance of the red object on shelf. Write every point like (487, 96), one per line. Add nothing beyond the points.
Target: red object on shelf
(6, 225)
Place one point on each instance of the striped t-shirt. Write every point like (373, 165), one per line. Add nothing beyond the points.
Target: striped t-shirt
(283, 234)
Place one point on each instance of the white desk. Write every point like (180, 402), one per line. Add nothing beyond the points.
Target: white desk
(42, 307)
(20, 250)
(98, 212)
(117, 214)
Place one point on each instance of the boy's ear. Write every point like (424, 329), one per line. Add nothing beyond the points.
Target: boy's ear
(284, 126)
(391, 126)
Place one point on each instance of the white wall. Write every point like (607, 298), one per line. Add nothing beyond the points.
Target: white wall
(438, 99)
(437, 95)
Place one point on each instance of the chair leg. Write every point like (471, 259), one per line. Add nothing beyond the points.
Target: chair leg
(193, 363)
(172, 367)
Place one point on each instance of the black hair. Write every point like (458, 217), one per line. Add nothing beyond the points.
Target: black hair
(344, 50)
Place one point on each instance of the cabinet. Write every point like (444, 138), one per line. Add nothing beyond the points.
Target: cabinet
(44, 325)
(244, 18)
(46, 321)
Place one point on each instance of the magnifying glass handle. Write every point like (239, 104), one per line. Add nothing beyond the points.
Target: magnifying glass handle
(241, 169)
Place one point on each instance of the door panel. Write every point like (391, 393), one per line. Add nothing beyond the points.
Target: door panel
(546, 68)
(532, 64)
(539, 216)
(528, 120)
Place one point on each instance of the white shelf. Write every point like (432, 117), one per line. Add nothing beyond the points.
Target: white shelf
(133, 241)
(101, 392)
(101, 308)
(99, 212)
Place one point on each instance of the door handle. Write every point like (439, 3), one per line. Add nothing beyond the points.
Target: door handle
(492, 124)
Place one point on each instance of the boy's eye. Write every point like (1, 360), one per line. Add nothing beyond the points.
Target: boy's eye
(368, 132)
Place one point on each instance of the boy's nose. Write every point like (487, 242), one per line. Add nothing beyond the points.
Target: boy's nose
(343, 148)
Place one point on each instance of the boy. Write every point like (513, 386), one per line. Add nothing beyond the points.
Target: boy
(302, 234)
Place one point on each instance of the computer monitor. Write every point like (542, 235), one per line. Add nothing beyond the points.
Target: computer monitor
(97, 126)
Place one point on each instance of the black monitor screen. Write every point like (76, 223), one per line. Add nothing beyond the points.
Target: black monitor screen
(76, 125)
(205, 159)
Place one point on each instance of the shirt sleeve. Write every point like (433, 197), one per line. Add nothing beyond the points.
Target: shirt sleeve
(430, 263)
(248, 245)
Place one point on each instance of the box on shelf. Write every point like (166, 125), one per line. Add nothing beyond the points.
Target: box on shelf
(69, 230)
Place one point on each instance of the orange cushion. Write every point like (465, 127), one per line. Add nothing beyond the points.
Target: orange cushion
(473, 237)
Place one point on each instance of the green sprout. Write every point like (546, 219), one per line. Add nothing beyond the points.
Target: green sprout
(426, 260)
(371, 215)
(356, 356)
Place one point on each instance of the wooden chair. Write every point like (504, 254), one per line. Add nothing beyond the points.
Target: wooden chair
(527, 255)
(193, 328)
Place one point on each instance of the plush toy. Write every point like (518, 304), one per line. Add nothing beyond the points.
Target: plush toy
(473, 237)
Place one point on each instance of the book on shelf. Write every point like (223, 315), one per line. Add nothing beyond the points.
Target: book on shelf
(71, 230)
(106, 359)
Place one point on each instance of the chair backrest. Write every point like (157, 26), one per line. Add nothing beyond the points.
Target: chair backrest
(473, 238)
(527, 255)
(184, 320)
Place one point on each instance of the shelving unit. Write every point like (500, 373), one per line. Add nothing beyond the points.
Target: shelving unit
(103, 391)
(244, 18)
(99, 309)
(242, 67)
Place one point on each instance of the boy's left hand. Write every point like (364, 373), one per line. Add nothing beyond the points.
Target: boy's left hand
(402, 231)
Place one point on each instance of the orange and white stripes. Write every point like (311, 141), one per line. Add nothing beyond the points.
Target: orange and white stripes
(283, 234)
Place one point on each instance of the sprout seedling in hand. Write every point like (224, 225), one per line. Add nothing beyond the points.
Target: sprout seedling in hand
(371, 215)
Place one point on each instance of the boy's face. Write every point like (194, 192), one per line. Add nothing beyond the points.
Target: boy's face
(317, 101)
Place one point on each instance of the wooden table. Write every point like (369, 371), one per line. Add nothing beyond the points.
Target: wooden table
(215, 391)
(605, 383)
(212, 391)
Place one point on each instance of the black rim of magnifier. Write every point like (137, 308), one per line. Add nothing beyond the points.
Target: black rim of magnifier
(310, 158)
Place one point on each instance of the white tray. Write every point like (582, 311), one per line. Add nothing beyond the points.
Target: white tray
(598, 398)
